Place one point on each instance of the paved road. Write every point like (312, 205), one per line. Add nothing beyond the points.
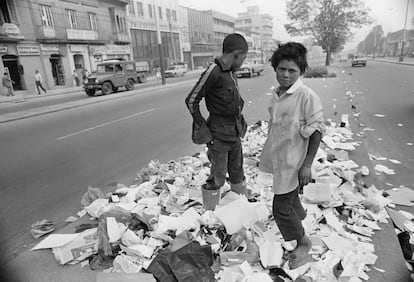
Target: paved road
(50, 160)
(37, 102)
(386, 89)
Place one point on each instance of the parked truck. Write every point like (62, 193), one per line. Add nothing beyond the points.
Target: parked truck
(112, 74)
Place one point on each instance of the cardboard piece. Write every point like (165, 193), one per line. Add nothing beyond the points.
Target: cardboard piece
(83, 246)
(54, 241)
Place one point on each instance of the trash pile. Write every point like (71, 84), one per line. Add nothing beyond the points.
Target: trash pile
(159, 225)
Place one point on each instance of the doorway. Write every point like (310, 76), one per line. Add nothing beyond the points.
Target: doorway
(79, 65)
(15, 70)
(57, 69)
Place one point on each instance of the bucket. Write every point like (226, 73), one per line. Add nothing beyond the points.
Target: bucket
(211, 197)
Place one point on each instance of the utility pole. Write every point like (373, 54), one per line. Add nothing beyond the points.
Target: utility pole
(171, 34)
(403, 35)
(159, 41)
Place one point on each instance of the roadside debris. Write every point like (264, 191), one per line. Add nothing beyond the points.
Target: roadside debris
(41, 228)
(160, 225)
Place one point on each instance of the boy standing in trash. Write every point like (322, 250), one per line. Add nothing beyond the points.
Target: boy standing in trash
(295, 131)
(218, 85)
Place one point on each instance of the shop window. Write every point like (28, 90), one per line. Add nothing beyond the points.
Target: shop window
(46, 15)
(71, 19)
(92, 21)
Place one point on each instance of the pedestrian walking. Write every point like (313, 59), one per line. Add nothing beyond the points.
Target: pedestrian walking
(75, 77)
(295, 130)
(8, 83)
(226, 124)
(157, 73)
(39, 81)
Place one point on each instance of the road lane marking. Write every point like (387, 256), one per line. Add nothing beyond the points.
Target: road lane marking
(104, 124)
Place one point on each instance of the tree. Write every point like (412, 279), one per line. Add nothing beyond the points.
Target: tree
(329, 22)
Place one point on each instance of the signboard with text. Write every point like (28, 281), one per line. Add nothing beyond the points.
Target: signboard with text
(3, 49)
(28, 50)
(81, 34)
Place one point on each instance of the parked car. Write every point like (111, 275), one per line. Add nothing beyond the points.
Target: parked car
(359, 61)
(250, 68)
(176, 70)
(112, 74)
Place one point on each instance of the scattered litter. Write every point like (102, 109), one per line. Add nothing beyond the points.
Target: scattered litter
(400, 124)
(401, 196)
(409, 144)
(41, 228)
(394, 161)
(384, 169)
(379, 115)
(71, 219)
(379, 139)
(160, 225)
(268, 94)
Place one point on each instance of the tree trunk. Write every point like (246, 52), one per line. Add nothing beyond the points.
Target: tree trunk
(328, 57)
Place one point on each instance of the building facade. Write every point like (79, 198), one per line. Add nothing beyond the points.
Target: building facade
(60, 37)
(143, 29)
(257, 26)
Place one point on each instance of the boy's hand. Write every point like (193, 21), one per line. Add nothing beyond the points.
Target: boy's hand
(305, 175)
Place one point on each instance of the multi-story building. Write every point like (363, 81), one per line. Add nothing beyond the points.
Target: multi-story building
(207, 30)
(60, 37)
(142, 24)
(258, 26)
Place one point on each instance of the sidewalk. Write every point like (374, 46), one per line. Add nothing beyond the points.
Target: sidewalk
(394, 60)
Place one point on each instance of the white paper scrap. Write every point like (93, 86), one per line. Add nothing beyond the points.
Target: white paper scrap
(55, 240)
(394, 161)
(379, 115)
(236, 214)
(271, 254)
(384, 169)
(114, 229)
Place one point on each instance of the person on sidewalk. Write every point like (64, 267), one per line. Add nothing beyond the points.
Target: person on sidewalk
(295, 130)
(218, 85)
(39, 81)
(75, 77)
(7, 82)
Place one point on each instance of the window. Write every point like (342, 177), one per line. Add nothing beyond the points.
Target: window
(7, 12)
(131, 7)
(167, 14)
(174, 15)
(71, 19)
(121, 24)
(160, 12)
(92, 21)
(140, 10)
(150, 10)
(46, 15)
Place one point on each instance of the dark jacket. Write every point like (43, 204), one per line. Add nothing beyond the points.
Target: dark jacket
(218, 85)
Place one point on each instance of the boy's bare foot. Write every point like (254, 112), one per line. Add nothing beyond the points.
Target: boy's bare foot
(299, 256)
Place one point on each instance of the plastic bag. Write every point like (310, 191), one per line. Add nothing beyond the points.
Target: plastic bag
(121, 216)
(90, 196)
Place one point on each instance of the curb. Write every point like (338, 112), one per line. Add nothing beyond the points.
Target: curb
(392, 62)
(77, 104)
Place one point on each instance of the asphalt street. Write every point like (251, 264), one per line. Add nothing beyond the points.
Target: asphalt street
(48, 161)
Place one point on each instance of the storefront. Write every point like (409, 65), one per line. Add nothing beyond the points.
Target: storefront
(10, 62)
(54, 58)
(114, 51)
(79, 59)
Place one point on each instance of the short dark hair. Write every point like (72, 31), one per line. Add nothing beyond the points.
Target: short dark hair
(291, 51)
(234, 42)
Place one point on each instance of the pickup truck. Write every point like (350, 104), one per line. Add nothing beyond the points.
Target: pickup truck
(250, 68)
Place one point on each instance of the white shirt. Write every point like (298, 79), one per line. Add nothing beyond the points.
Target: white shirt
(38, 77)
(294, 116)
